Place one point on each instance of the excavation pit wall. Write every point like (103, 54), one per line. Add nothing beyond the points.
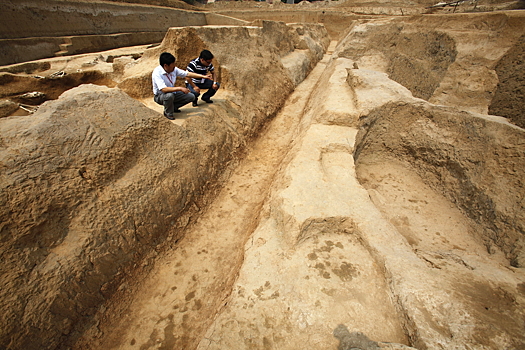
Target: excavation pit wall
(35, 30)
(437, 60)
(95, 182)
(473, 160)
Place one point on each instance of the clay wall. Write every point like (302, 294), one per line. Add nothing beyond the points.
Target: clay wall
(25, 19)
(35, 30)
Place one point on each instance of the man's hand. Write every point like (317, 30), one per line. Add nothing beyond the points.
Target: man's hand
(197, 89)
(209, 76)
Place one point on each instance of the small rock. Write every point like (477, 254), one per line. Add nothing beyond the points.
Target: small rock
(7, 108)
(32, 98)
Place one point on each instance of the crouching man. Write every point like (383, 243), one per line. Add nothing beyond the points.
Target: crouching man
(202, 65)
(166, 93)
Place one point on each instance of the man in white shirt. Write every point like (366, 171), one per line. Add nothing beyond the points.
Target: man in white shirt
(166, 93)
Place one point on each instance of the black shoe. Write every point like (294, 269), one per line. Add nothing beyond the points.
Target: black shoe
(169, 116)
(177, 111)
(194, 103)
(207, 101)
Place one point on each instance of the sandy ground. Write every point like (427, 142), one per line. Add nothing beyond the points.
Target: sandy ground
(239, 280)
(284, 257)
(190, 284)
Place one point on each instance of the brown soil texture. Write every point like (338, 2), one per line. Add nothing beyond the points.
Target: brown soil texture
(509, 98)
(358, 182)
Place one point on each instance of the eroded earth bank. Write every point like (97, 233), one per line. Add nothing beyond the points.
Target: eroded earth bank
(364, 193)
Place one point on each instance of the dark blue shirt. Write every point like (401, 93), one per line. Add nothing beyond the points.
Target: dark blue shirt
(195, 66)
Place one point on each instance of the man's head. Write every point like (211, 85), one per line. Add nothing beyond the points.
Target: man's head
(167, 61)
(206, 57)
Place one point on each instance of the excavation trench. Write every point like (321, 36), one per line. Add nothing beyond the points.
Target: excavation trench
(301, 245)
(191, 284)
(234, 260)
(364, 214)
(350, 222)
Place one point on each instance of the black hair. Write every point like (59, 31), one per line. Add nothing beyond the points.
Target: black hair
(206, 55)
(166, 58)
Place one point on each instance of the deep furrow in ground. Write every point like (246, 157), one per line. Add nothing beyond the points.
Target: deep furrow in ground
(309, 275)
(326, 262)
(179, 298)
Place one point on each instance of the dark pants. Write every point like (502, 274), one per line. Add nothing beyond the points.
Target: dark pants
(206, 85)
(172, 101)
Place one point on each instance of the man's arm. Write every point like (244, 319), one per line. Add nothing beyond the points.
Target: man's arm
(215, 85)
(195, 75)
(195, 87)
(183, 89)
(200, 76)
(174, 89)
(211, 70)
(191, 69)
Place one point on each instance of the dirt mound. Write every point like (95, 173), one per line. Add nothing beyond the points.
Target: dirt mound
(460, 170)
(509, 98)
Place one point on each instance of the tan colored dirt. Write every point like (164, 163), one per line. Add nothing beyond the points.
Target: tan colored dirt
(192, 282)
(378, 205)
(310, 260)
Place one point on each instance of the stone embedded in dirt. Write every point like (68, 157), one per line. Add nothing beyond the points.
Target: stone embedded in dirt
(32, 98)
(7, 108)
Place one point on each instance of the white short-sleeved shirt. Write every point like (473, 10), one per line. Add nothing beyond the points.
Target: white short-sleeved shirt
(161, 79)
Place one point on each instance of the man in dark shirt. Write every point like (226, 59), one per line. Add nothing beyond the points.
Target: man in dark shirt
(202, 65)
